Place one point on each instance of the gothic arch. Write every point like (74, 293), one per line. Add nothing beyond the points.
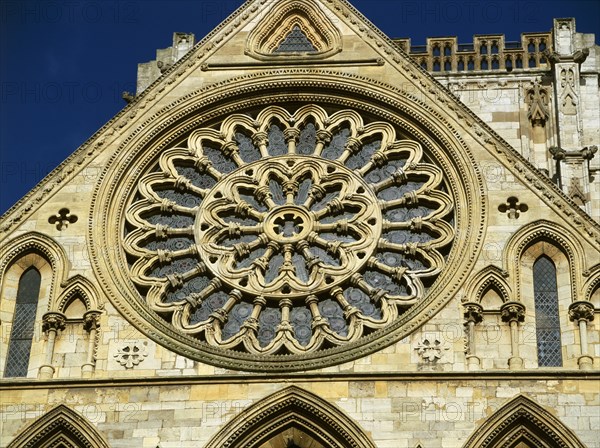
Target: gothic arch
(296, 408)
(78, 287)
(59, 427)
(273, 28)
(558, 236)
(489, 277)
(592, 284)
(523, 420)
(30, 250)
(34, 242)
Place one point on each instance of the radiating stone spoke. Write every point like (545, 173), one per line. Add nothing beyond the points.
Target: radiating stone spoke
(283, 233)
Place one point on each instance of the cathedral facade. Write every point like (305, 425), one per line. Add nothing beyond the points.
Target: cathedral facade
(302, 233)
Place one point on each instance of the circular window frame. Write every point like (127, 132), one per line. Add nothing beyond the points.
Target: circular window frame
(202, 108)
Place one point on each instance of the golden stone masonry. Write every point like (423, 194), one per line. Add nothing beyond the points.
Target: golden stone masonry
(305, 234)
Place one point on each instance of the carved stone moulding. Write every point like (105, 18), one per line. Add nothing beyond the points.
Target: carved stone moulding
(281, 237)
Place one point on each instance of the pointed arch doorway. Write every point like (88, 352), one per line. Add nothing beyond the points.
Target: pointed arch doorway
(291, 418)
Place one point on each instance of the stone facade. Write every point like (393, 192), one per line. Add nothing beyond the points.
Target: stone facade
(503, 157)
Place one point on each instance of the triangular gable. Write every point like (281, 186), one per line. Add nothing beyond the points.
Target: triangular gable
(247, 14)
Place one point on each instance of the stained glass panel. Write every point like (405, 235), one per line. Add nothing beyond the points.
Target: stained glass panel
(21, 335)
(547, 322)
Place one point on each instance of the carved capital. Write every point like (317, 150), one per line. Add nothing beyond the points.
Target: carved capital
(91, 320)
(473, 312)
(53, 320)
(513, 312)
(581, 310)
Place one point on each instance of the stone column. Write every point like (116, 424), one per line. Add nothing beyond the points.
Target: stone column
(473, 315)
(91, 323)
(513, 313)
(52, 323)
(582, 312)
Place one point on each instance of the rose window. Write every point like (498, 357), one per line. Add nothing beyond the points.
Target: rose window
(287, 233)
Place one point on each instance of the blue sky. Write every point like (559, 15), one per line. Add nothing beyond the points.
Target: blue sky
(64, 64)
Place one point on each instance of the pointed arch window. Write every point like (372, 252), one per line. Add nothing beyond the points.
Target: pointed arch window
(21, 335)
(547, 321)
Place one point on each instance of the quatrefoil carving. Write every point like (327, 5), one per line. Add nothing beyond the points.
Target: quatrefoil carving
(513, 208)
(62, 219)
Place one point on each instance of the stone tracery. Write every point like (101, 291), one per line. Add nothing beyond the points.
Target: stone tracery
(288, 233)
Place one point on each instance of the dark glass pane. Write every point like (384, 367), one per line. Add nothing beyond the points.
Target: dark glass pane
(333, 312)
(547, 322)
(296, 42)
(248, 151)
(301, 321)
(277, 144)
(21, 334)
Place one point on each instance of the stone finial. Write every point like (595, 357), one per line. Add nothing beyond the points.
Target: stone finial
(537, 98)
(513, 312)
(128, 97)
(581, 310)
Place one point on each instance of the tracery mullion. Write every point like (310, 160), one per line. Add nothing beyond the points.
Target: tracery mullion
(189, 305)
(242, 250)
(233, 229)
(161, 259)
(407, 150)
(353, 146)
(160, 287)
(377, 296)
(149, 233)
(430, 178)
(187, 157)
(262, 262)
(423, 251)
(312, 261)
(242, 208)
(334, 248)
(342, 227)
(231, 150)
(355, 328)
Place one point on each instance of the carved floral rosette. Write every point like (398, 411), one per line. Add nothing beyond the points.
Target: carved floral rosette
(287, 233)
